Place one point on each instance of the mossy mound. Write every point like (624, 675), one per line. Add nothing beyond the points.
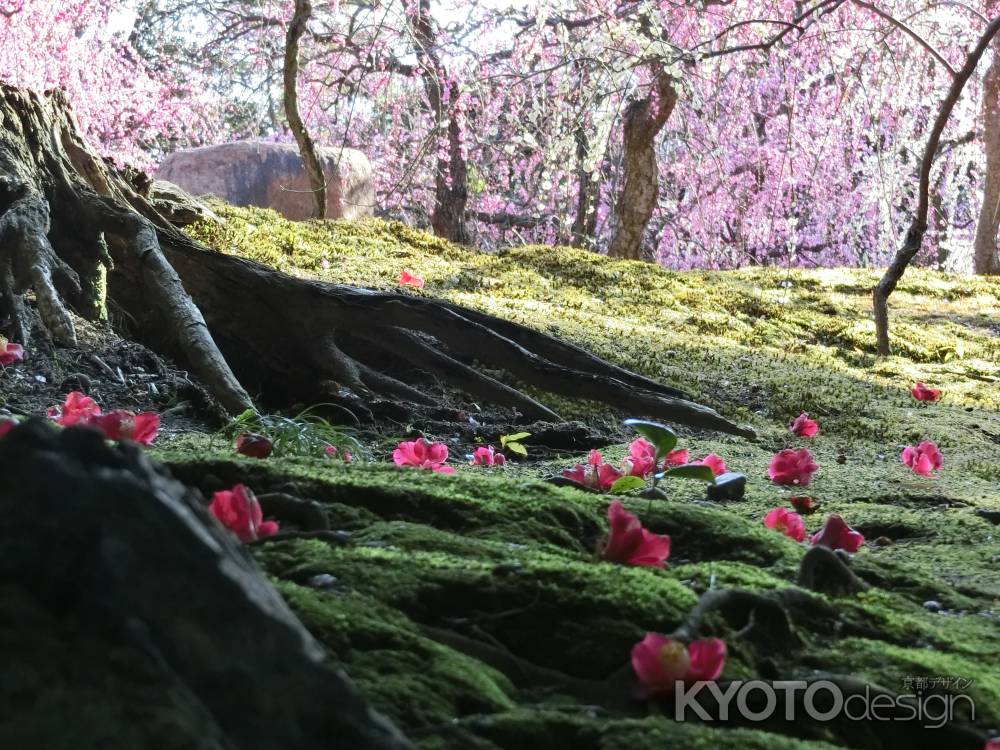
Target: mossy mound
(507, 561)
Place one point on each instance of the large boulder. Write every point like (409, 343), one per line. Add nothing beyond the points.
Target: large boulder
(272, 175)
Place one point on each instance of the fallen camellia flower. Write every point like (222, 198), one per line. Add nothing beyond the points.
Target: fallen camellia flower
(803, 504)
(346, 455)
(408, 278)
(6, 425)
(792, 466)
(629, 543)
(922, 393)
(804, 427)
(715, 463)
(924, 459)
(77, 408)
(10, 353)
(787, 522)
(660, 662)
(641, 458)
(239, 511)
(678, 457)
(836, 534)
(125, 425)
(596, 474)
(423, 455)
(253, 445)
(484, 455)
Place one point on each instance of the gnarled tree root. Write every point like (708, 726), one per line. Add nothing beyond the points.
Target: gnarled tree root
(826, 571)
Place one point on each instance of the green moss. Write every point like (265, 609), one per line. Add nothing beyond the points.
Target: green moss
(510, 561)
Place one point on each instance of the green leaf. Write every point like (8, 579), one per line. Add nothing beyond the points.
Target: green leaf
(627, 484)
(662, 437)
(516, 448)
(692, 471)
(516, 437)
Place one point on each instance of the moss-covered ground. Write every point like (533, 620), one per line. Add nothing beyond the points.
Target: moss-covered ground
(508, 561)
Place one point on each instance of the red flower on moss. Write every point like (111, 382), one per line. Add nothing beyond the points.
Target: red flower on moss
(715, 463)
(677, 457)
(239, 511)
(484, 455)
(10, 353)
(408, 278)
(660, 662)
(836, 534)
(804, 427)
(788, 523)
(595, 474)
(126, 425)
(423, 455)
(77, 408)
(923, 459)
(792, 466)
(922, 393)
(254, 445)
(629, 543)
(641, 458)
(803, 504)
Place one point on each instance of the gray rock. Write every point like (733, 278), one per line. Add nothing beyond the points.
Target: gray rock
(728, 487)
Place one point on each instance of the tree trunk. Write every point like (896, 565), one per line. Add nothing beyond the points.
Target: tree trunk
(644, 119)
(292, 340)
(585, 221)
(296, 28)
(985, 257)
(451, 174)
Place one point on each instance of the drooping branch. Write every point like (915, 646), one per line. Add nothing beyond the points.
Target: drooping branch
(296, 28)
(918, 227)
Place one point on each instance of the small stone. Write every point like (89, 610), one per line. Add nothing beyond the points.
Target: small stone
(323, 581)
(729, 486)
(882, 541)
(653, 493)
(841, 459)
(932, 606)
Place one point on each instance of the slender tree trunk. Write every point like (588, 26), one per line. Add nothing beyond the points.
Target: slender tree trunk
(918, 227)
(985, 257)
(297, 27)
(451, 174)
(585, 221)
(644, 119)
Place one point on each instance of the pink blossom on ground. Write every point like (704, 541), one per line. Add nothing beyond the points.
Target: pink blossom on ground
(804, 427)
(677, 457)
(595, 474)
(922, 393)
(6, 425)
(787, 522)
(423, 455)
(629, 543)
(408, 278)
(660, 662)
(10, 353)
(75, 409)
(923, 459)
(126, 425)
(836, 534)
(792, 466)
(641, 458)
(715, 462)
(239, 511)
(254, 445)
(484, 455)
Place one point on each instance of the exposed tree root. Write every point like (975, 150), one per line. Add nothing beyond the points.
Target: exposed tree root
(825, 571)
(286, 339)
(754, 616)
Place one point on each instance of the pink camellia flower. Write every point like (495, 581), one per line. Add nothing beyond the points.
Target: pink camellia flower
(10, 353)
(641, 458)
(715, 463)
(254, 445)
(423, 455)
(345, 455)
(75, 409)
(596, 474)
(924, 459)
(992, 744)
(787, 522)
(239, 511)
(629, 543)
(804, 427)
(660, 662)
(125, 425)
(408, 278)
(792, 466)
(484, 455)
(836, 534)
(803, 504)
(677, 457)
(6, 425)
(922, 393)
